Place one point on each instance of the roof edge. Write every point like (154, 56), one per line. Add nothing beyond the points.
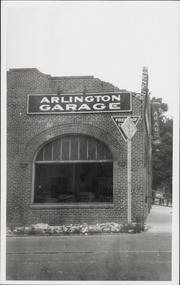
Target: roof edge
(72, 77)
(48, 75)
(26, 69)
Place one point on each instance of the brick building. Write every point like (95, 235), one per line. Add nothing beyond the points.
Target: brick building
(67, 159)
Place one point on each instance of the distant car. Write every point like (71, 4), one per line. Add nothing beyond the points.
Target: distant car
(158, 195)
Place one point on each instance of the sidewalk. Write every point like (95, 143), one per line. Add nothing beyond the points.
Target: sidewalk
(136, 257)
(160, 219)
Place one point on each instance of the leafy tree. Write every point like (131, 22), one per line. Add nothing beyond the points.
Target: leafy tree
(162, 154)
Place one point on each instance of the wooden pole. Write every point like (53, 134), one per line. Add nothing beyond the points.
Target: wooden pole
(129, 178)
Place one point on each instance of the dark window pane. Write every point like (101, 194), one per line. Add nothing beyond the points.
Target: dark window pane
(69, 183)
(100, 151)
(92, 147)
(40, 155)
(56, 150)
(65, 148)
(48, 152)
(53, 183)
(83, 148)
(74, 148)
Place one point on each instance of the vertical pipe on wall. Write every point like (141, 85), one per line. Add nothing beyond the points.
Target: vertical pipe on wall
(78, 149)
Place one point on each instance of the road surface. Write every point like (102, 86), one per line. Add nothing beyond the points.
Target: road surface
(144, 256)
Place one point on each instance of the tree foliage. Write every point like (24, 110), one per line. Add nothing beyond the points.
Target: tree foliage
(162, 154)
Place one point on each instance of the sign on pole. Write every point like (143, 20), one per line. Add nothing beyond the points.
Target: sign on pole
(127, 127)
(119, 122)
(156, 123)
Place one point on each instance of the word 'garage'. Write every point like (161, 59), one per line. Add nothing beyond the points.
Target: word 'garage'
(86, 103)
(70, 102)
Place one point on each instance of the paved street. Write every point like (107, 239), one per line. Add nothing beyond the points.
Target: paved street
(145, 256)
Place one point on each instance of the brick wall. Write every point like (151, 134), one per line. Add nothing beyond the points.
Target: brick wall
(26, 134)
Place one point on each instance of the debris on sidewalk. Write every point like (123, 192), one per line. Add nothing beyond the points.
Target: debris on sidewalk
(39, 228)
(84, 229)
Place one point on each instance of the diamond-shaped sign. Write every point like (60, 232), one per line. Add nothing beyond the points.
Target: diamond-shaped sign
(119, 121)
(129, 128)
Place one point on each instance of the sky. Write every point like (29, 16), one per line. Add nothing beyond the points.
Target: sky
(110, 40)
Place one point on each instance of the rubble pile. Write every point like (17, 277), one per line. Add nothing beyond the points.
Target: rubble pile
(84, 229)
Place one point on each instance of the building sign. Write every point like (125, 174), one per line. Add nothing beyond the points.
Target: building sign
(129, 128)
(78, 103)
(155, 124)
(126, 125)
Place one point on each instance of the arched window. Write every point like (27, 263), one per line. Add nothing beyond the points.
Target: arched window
(73, 169)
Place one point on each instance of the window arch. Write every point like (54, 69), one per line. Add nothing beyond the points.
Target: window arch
(73, 169)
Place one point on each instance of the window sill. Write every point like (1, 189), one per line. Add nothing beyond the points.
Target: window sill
(72, 206)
